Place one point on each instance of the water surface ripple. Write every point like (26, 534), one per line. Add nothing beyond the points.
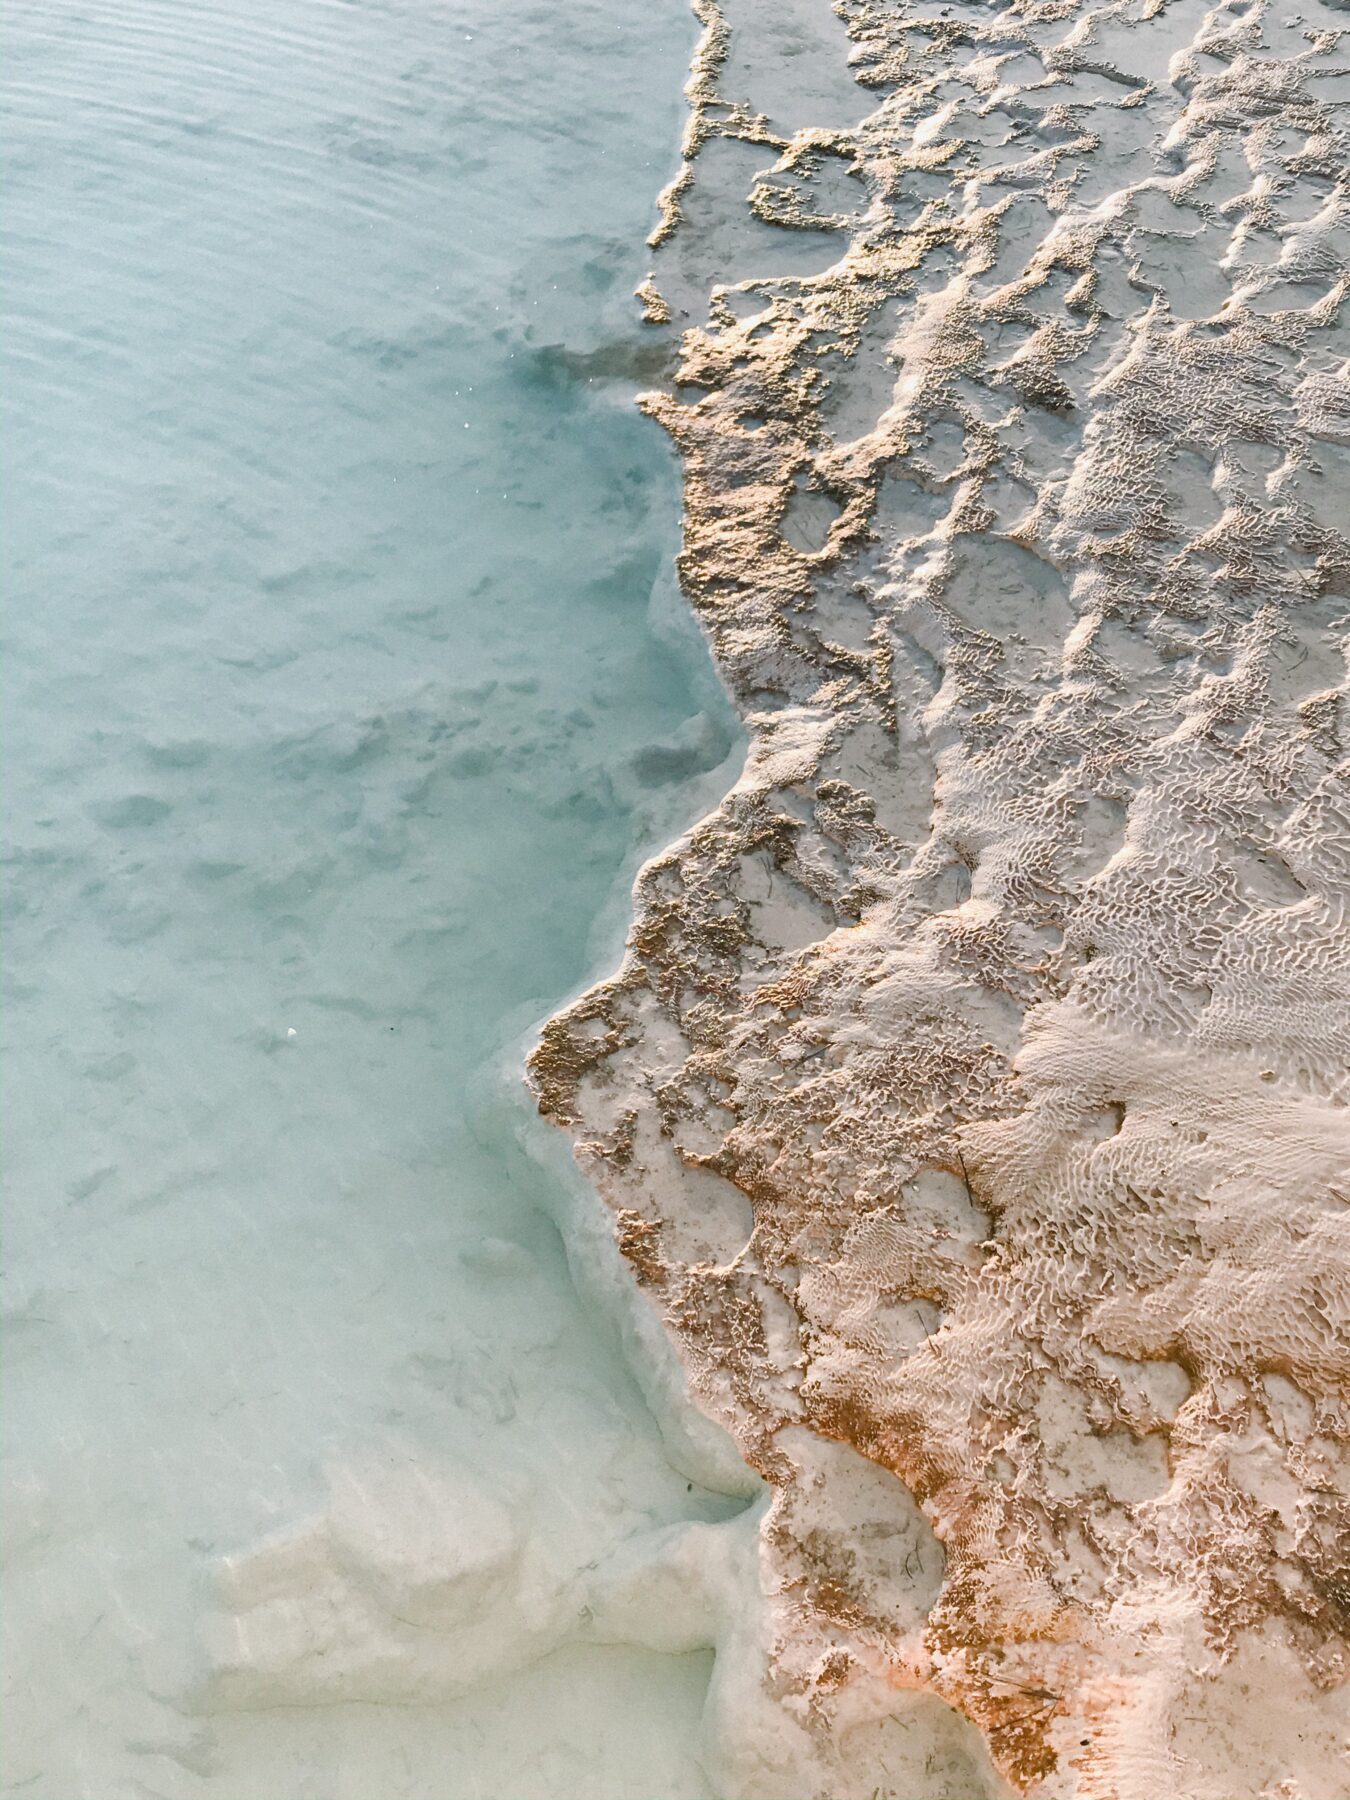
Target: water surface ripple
(337, 707)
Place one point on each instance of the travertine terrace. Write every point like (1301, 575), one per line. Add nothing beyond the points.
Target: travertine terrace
(971, 1099)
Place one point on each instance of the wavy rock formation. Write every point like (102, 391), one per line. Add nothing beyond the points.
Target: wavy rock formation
(972, 1098)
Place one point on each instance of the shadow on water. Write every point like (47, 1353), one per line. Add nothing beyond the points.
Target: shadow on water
(647, 361)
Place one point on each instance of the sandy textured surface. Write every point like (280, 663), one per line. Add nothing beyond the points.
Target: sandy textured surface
(971, 1100)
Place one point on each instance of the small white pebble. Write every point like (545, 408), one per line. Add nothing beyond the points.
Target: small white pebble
(290, 1031)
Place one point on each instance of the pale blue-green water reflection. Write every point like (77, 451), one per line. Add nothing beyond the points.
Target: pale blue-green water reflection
(331, 664)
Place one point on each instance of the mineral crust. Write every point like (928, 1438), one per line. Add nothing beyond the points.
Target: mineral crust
(972, 1097)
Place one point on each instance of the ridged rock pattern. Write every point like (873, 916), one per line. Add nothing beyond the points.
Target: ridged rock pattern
(973, 1092)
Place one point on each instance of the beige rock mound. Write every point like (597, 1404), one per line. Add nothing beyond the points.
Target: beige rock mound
(972, 1099)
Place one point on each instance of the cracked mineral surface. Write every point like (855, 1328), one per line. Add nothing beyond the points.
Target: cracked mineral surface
(971, 1098)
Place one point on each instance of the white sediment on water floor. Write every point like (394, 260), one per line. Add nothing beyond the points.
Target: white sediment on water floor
(345, 687)
(972, 1099)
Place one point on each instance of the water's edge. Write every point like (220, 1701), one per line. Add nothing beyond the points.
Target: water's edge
(959, 1070)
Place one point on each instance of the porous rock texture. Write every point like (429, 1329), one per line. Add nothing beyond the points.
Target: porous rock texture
(973, 1092)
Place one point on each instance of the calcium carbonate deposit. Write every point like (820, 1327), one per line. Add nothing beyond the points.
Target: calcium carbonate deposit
(971, 1099)
(970, 1104)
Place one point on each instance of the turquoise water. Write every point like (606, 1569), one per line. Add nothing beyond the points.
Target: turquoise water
(345, 687)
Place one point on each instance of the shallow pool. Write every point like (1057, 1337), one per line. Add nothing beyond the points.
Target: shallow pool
(345, 688)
